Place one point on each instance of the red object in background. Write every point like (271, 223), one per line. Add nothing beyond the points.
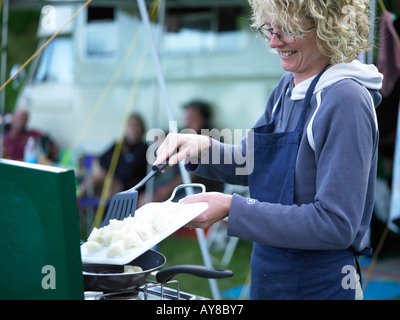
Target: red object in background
(187, 233)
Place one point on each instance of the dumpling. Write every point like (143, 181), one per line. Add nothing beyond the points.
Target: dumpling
(132, 269)
(145, 230)
(107, 237)
(96, 235)
(117, 235)
(93, 246)
(116, 224)
(132, 239)
(116, 249)
(161, 221)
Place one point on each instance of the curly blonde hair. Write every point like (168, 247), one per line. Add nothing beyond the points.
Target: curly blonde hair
(342, 25)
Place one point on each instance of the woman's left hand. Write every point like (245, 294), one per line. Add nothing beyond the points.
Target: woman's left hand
(218, 208)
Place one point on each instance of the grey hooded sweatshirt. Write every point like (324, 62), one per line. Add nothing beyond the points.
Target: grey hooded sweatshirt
(335, 168)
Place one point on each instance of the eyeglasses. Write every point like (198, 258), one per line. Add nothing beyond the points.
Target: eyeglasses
(267, 34)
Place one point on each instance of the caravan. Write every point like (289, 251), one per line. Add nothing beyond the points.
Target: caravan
(99, 69)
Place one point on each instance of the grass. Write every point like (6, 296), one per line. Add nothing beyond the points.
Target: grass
(186, 250)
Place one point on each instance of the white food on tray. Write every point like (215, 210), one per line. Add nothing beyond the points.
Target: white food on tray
(121, 241)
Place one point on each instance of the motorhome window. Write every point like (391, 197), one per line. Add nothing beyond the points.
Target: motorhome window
(101, 33)
(198, 30)
(56, 64)
(100, 13)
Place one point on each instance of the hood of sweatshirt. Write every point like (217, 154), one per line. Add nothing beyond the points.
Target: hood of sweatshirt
(365, 74)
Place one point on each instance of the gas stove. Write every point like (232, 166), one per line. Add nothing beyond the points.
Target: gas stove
(150, 291)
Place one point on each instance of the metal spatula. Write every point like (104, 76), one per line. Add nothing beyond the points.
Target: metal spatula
(124, 203)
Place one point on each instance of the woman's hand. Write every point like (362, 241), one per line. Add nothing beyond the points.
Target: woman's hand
(177, 147)
(218, 208)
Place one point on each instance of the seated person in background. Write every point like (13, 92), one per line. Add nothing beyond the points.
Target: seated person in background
(197, 116)
(16, 138)
(131, 166)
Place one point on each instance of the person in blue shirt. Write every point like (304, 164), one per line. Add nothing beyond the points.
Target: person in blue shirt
(310, 159)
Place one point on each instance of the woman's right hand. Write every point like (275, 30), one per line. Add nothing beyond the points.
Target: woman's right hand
(177, 147)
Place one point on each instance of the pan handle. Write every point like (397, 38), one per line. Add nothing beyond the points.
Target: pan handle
(200, 271)
(186, 185)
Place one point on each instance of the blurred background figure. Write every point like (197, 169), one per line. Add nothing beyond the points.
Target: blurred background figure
(131, 166)
(16, 141)
(197, 116)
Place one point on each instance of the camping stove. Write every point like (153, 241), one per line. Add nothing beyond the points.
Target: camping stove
(150, 291)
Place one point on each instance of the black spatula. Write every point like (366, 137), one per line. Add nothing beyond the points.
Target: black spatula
(124, 203)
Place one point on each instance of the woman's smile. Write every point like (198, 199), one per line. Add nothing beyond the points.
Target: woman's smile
(285, 54)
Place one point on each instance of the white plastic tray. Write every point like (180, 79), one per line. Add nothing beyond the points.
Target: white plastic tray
(182, 215)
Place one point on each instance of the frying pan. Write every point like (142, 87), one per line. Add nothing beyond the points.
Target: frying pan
(109, 278)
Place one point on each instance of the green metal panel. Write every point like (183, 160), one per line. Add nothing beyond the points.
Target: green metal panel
(39, 233)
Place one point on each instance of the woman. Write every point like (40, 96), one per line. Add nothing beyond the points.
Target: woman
(315, 155)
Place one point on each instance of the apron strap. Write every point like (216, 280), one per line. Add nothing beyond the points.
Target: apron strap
(307, 100)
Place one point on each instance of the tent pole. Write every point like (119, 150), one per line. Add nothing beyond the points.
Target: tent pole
(185, 175)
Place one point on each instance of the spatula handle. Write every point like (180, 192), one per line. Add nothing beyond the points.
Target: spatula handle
(154, 170)
(160, 167)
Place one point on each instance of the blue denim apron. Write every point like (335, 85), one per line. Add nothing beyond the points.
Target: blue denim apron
(284, 273)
